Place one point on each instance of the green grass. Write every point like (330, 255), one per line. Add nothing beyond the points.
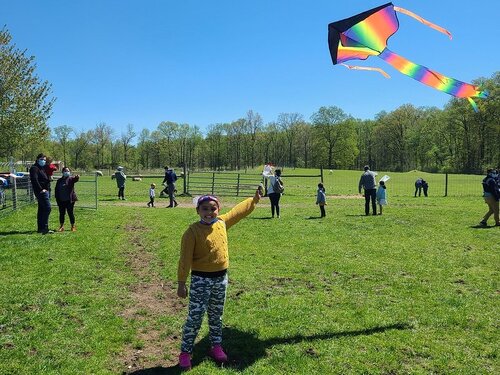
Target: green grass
(412, 291)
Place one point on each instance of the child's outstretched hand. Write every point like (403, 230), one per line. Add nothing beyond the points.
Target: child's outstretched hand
(182, 290)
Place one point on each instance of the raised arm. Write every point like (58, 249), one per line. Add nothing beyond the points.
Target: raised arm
(241, 210)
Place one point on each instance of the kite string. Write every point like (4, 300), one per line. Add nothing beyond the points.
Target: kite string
(424, 21)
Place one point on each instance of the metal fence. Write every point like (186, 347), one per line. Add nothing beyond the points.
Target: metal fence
(16, 193)
(223, 184)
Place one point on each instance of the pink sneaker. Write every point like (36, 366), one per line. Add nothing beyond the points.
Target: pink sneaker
(185, 361)
(218, 354)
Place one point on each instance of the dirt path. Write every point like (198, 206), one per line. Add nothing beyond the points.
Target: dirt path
(150, 299)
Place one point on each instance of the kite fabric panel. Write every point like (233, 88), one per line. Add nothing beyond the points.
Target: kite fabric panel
(366, 34)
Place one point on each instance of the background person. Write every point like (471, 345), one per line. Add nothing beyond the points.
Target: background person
(152, 194)
(418, 186)
(321, 199)
(425, 187)
(274, 191)
(41, 186)
(381, 196)
(120, 177)
(491, 196)
(66, 197)
(367, 182)
(170, 179)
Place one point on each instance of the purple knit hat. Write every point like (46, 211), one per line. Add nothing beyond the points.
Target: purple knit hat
(207, 198)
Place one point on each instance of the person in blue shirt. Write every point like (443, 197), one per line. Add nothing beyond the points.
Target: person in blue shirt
(321, 199)
(381, 196)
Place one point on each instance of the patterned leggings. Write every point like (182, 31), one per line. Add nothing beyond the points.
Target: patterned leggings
(205, 294)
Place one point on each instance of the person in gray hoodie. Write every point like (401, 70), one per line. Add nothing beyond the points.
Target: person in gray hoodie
(368, 183)
(120, 182)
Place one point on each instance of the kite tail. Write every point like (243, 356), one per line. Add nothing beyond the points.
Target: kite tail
(432, 78)
(355, 67)
(424, 21)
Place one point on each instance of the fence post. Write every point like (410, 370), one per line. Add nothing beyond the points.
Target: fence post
(184, 171)
(14, 193)
(238, 186)
(96, 176)
(213, 182)
(446, 185)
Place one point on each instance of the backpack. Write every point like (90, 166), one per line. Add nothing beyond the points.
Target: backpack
(486, 185)
(278, 186)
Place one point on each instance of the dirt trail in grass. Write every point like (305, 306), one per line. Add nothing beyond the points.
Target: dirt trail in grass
(150, 299)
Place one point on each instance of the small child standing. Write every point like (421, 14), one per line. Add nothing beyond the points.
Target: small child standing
(381, 197)
(321, 199)
(204, 253)
(151, 202)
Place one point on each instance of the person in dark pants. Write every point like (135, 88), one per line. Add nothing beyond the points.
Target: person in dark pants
(367, 182)
(425, 187)
(273, 192)
(418, 186)
(170, 178)
(120, 182)
(41, 186)
(66, 197)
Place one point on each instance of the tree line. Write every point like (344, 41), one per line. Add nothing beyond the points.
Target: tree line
(452, 139)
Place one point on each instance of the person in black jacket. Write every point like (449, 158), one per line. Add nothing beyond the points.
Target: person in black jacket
(66, 197)
(41, 186)
(491, 196)
(170, 178)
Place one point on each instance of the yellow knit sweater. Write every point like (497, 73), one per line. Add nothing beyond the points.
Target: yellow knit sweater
(204, 247)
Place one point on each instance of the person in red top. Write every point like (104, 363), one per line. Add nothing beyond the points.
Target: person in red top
(50, 168)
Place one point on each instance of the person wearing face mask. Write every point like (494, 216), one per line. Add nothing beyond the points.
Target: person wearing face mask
(66, 197)
(205, 254)
(491, 196)
(41, 186)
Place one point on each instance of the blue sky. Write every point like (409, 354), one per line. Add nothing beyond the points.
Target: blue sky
(204, 62)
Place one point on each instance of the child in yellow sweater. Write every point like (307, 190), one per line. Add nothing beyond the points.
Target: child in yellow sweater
(204, 253)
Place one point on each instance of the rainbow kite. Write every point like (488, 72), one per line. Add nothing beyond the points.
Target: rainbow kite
(366, 34)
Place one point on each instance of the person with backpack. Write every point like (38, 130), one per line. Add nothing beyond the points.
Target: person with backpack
(274, 190)
(491, 195)
(169, 180)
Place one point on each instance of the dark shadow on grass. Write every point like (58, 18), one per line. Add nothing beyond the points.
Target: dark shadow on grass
(245, 348)
(481, 227)
(18, 232)
(314, 218)
(358, 215)
(158, 371)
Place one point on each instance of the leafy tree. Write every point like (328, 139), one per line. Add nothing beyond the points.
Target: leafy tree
(326, 122)
(62, 136)
(126, 140)
(25, 101)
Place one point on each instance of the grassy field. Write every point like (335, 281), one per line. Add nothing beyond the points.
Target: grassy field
(412, 291)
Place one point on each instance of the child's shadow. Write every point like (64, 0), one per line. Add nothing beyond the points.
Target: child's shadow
(245, 348)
